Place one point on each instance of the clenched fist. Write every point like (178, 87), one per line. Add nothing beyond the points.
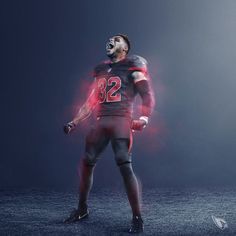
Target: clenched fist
(69, 127)
(138, 124)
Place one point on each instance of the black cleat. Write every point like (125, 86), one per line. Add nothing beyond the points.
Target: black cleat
(137, 225)
(77, 215)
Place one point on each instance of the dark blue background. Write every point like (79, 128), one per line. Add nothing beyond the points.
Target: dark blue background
(48, 49)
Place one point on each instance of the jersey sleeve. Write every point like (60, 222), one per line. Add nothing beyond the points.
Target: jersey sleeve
(137, 63)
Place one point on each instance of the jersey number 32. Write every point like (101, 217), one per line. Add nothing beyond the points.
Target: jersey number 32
(112, 94)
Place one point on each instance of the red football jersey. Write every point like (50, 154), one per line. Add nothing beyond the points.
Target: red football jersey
(115, 86)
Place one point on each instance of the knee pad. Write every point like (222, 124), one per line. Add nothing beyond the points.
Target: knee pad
(122, 158)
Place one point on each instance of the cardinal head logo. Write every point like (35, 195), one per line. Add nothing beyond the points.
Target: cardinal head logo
(219, 222)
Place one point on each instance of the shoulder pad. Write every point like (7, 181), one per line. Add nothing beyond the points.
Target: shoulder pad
(137, 63)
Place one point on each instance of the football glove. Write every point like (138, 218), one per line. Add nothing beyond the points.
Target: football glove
(69, 127)
(139, 124)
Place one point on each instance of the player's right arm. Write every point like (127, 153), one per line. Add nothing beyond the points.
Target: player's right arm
(86, 109)
(84, 112)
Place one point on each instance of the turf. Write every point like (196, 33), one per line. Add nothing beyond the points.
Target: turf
(165, 212)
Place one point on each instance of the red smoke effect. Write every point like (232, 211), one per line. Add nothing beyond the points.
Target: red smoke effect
(154, 135)
(82, 91)
(79, 91)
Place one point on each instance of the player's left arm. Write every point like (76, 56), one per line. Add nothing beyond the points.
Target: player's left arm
(143, 86)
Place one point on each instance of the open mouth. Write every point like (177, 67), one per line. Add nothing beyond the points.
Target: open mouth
(110, 45)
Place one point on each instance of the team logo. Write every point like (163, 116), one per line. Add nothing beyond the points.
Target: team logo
(219, 222)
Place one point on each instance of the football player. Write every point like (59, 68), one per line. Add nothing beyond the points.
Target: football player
(116, 83)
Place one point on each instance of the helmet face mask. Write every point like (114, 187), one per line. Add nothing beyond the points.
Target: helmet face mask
(116, 45)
